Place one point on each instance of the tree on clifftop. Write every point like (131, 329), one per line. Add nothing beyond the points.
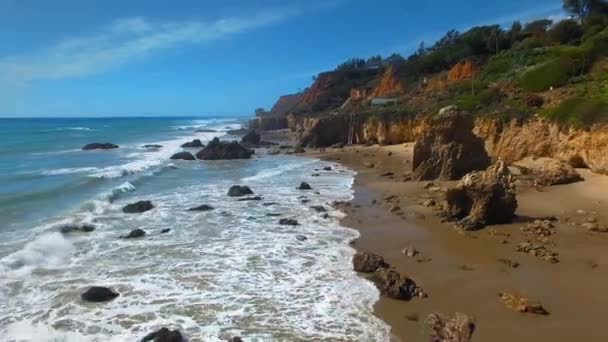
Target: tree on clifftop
(583, 8)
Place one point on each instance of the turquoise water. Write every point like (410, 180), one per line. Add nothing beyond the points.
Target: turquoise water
(230, 271)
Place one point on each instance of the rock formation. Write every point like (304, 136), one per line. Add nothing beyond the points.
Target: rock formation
(464, 70)
(389, 84)
(196, 143)
(304, 186)
(164, 335)
(100, 146)
(135, 234)
(239, 191)
(251, 139)
(482, 198)
(368, 262)
(203, 207)
(447, 149)
(548, 171)
(98, 294)
(183, 156)
(392, 284)
(458, 328)
(522, 304)
(217, 150)
(76, 228)
(138, 207)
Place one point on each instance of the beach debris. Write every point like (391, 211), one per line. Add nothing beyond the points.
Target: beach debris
(164, 335)
(522, 304)
(100, 146)
(239, 191)
(183, 156)
(203, 207)
(482, 198)
(365, 262)
(304, 186)
(288, 222)
(135, 233)
(394, 285)
(447, 149)
(508, 262)
(98, 294)
(196, 143)
(458, 328)
(75, 228)
(138, 207)
(221, 150)
(165, 231)
(410, 251)
(538, 251)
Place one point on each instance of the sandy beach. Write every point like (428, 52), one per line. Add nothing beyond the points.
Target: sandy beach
(461, 272)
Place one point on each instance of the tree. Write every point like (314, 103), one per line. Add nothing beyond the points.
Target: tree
(538, 28)
(565, 32)
(583, 8)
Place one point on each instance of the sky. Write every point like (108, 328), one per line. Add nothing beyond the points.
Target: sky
(74, 58)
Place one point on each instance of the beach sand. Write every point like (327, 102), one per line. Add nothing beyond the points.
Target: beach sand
(460, 271)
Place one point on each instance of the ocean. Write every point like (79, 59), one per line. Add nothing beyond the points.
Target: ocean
(221, 273)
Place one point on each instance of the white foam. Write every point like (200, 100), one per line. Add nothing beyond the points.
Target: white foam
(49, 250)
(66, 171)
(75, 129)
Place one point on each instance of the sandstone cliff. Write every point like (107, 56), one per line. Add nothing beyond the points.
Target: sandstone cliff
(285, 104)
(389, 84)
(510, 141)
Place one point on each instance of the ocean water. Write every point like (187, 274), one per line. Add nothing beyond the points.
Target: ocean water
(230, 271)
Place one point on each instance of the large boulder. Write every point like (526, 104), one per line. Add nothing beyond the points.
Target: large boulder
(458, 328)
(548, 171)
(196, 143)
(138, 207)
(447, 149)
(392, 284)
(164, 335)
(482, 198)
(203, 207)
(251, 139)
(239, 191)
(217, 150)
(98, 294)
(183, 156)
(368, 262)
(100, 146)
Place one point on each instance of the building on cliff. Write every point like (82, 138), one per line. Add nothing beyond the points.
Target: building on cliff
(383, 101)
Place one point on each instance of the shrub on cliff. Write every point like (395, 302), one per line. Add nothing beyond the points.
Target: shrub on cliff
(565, 32)
(554, 73)
(580, 111)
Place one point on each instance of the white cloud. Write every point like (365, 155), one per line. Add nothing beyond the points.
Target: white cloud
(124, 41)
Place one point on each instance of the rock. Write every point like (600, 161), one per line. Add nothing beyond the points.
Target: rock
(183, 156)
(252, 198)
(203, 207)
(135, 233)
(304, 186)
(429, 203)
(273, 152)
(508, 262)
(318, 208)
(138, 207)
(165, 231)
(299, 149)
(395, 209)
(410, 251)
(100, 146)
(392, 284)
(153, 146)
(239, 191)
(164, 335)
(288, 222)
(301, 237)
(235, 339)
(196, 143)
(74, 228)
(447, 149)
(338, 145)
(538, 251)
(98, 294)
(387, 174)
(369, 165)
(482, 198)
(205, 131)
(327, 168)
(458, 328)
(220, 150)
(368, 262)
(251, 139)
(547, 171)
(522, 304)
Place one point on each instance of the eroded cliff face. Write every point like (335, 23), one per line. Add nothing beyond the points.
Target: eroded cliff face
(509, 141)
(389, 84)
(285, 104)
(464, 70)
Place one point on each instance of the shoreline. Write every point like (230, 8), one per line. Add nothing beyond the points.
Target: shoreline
(460, 271)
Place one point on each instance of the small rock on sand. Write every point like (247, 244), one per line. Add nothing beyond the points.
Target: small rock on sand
(522, 304)
(458, 328)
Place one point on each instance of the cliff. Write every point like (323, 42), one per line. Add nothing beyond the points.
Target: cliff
(285, 104)
(509, 141)
(465, 70)
(389, 84)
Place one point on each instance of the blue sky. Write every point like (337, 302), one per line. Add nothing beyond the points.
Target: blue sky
(225, 57)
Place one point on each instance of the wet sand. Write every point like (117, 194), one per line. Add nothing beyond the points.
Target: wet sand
(460, 271)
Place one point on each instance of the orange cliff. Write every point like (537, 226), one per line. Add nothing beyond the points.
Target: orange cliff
(389, 84)
(464, 70)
